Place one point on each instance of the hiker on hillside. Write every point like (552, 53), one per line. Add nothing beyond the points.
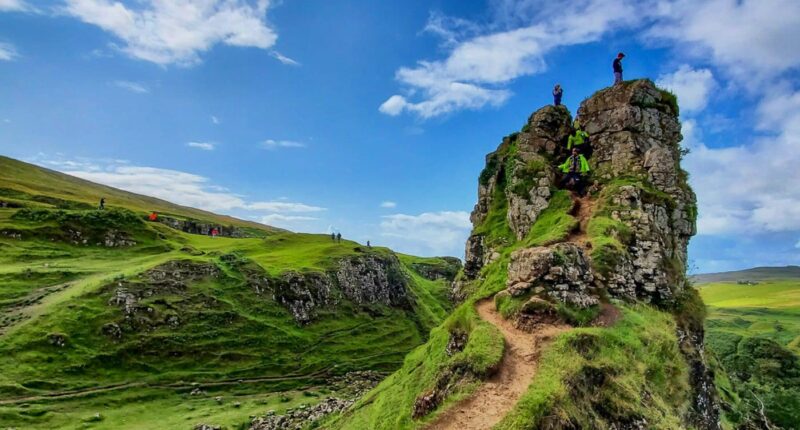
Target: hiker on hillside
(575, 169)
(580, 141)
(338, 238)
(153, 216)
(617, 65)
(368, 245)
(214, 233)
(333, 237)
(557, 93)
(102, 203)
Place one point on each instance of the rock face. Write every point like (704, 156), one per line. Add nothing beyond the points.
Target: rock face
(635, 134)
(630, 244)
(193, 226)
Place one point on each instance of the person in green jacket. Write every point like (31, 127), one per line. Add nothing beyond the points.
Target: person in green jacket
(575, 169)
(580, 140)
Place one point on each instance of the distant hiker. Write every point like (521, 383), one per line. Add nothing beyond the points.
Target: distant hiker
(338, 237)
(557, 93)
(153, 216)
(368, 245)
(580, 140)
(575, 168)
(102, 203)
(333, 237)
(214, 232)
(617, 64)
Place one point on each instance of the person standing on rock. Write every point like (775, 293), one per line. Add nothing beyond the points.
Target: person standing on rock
(557, 93)
(575, 169)
(580, 141)
(617, 65)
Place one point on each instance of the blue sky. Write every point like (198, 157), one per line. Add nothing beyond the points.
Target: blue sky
(373, 117)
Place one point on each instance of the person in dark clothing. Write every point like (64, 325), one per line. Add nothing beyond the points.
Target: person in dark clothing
(368, 245)
(102, 203)
(617, 65)
(574, 170)
(557, 93)
(333, 237)
(338, 237)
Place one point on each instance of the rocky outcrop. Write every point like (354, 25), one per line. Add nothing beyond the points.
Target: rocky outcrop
(561, 272)
(635, 134)
(193, 226)
(446, 270)
(631, 242)
(365, 280)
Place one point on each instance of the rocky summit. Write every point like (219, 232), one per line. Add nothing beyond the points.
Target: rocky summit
(586, 293)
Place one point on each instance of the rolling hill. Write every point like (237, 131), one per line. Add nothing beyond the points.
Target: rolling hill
(113, 320)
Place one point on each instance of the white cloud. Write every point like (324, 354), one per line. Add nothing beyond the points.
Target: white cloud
(206, 146)
(692, 86)
(750, 39)
(797, 245)
(284, 59)
(752, 188)
(275, 219)
(428, 233)
(175, 186)
(275, 144)
(13, 5)
(214, 120)
(8, 52)
(388, 204)
(134, 87)
(177, 31)
(476, 69)
(283, 206)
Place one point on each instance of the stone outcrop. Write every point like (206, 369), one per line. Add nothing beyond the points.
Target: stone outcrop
(561, 272)
(446, 270)
(635, 134)
(193, 226)
(631, 242)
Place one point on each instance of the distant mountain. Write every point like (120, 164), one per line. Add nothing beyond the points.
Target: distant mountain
(754, 274)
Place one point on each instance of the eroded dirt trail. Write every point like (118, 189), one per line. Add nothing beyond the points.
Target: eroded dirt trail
(498, 395)
(583, 208)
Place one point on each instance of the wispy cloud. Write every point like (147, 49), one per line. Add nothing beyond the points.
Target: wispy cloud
(134, 87)
(206, 146)
(214, 120)
(692, 86)
(176, 186)
(14, 5)
(177, 31)
(284, 59)
(388, 204)
(442, 233)
(8, 52)
(283, 206)
(275, 144)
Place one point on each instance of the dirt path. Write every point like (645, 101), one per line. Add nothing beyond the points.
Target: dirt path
(498, 395)
(582, 210)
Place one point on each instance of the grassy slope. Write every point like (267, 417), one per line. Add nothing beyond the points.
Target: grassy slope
(754, 331)
(227, 332)
(39, 181)
(645, 336)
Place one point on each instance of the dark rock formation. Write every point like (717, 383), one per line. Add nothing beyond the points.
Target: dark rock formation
(194, 226)
(446, 270)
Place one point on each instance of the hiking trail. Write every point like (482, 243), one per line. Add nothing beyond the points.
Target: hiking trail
(496, 396)
(582, 210)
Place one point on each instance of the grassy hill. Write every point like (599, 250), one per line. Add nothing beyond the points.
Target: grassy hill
(754, 274)
(754, 333)
(110, 321)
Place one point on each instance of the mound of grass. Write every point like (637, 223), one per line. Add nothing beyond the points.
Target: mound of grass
(587, 378)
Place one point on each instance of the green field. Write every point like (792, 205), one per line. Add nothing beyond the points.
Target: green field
(754, 334)
(206, 312)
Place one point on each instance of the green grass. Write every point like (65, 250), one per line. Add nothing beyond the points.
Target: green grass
(52, 285)
(591, 377)
(754, 333)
